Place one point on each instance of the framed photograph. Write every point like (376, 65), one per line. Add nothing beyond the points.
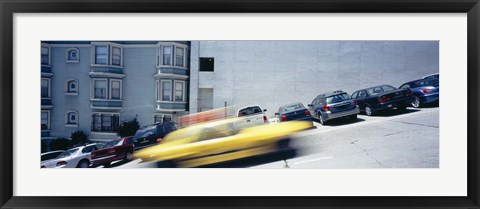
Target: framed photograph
(267, 104)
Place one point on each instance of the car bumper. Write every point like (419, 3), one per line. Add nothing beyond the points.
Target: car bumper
(329, 116)
(404, 102)
(430, 98)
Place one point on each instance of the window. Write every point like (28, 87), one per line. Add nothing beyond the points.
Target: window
(100, 89)
(72, 118)
(354, 95)
(101, 55)
(45, 120)
(166, 90)
(388, 88)
(179, 86)
(115, 89)
(105, 122)
(116, 56)
(45, 55)
(179, 52)
(162, 118)
(167, 55)
(73, 55)
(72, 86)
(207, 64)
(45, 88)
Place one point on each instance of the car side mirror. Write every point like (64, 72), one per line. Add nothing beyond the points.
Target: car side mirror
(277, 113)
(264, 110)
(309, 105)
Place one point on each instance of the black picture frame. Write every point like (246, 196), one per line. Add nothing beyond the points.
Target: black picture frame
(10, 7)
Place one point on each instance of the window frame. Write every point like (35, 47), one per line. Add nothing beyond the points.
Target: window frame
(92, 93)
(173, 57)
(67, 55)
(49, 88)
(48, 120)
(49, 54)
(67, 118)
(161, 115)
(174, 90)
(101, 115)
(67, 87)
(110, 89)
(162, 91)
(111, 55)
(110, 47)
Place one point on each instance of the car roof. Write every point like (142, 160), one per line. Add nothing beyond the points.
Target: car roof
(331, 93)
(372, 87)
(426, 79)
(249, 107)
(292, 103)
(52, 152)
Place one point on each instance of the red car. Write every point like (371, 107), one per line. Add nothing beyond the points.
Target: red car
(121, 149)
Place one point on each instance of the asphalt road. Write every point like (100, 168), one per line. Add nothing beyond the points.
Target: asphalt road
(397, 139)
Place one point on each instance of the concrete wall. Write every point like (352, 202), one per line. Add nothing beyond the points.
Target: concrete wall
(272, 73)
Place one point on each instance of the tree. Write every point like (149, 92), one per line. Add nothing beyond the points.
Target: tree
(128, 128)
(78, 138)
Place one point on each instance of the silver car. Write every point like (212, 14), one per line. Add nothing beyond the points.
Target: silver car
(78, 157)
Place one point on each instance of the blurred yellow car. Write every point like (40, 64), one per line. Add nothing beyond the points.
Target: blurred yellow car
(220, 141)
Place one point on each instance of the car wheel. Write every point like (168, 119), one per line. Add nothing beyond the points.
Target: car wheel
(320, 119)
(128, 157)
(417, 103)
(83, 164)
(368, 110)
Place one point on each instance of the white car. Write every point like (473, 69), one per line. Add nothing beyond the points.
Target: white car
(78, 157)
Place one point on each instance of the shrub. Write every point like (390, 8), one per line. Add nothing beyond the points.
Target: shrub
(78, 138)
(59, 144)
(128, 128)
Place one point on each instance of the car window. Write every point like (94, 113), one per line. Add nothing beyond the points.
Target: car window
(337, 98)
(129, 141)
(112, 143)
(249, 111)
(405, 86)
(293, 107)
(388, 88)
(375, 90)
(426, 82)
(68, 153)
(362, 94)
(89, 149)
(354, 95)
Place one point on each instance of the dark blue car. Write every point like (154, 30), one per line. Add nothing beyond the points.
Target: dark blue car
(332, 105)
(424, 90)
(293, 111)
(152, 134)
(384, 97)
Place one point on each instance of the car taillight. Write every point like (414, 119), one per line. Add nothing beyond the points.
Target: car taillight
(409, 94)
(307, 113)
(355, 102)
(284, 117)
(159, 140)
(61, 163)
(265, 119)
(426, 91)
(326, 108)
(111, 151)
(383, 99)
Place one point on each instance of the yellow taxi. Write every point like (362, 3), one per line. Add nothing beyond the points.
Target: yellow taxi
(220, 141)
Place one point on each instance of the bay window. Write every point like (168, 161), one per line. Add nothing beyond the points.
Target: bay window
(105, 122)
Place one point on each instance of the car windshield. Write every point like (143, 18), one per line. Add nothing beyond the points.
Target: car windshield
(425, 82)
(113, 143)
(293, 107)
(67, 153)
(338, 98)
(249, 111)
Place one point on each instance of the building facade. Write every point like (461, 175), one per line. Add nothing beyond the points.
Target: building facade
(274, 73)
(93, 86)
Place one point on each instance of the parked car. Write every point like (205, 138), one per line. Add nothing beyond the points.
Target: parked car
(220, 141)
(50, 155)
(120, 149)
(251, 116)
(384, 97)
(153, 134)
(293, 111)
(424, 90)
(435, 75)
(332, 105)
(78, 157)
